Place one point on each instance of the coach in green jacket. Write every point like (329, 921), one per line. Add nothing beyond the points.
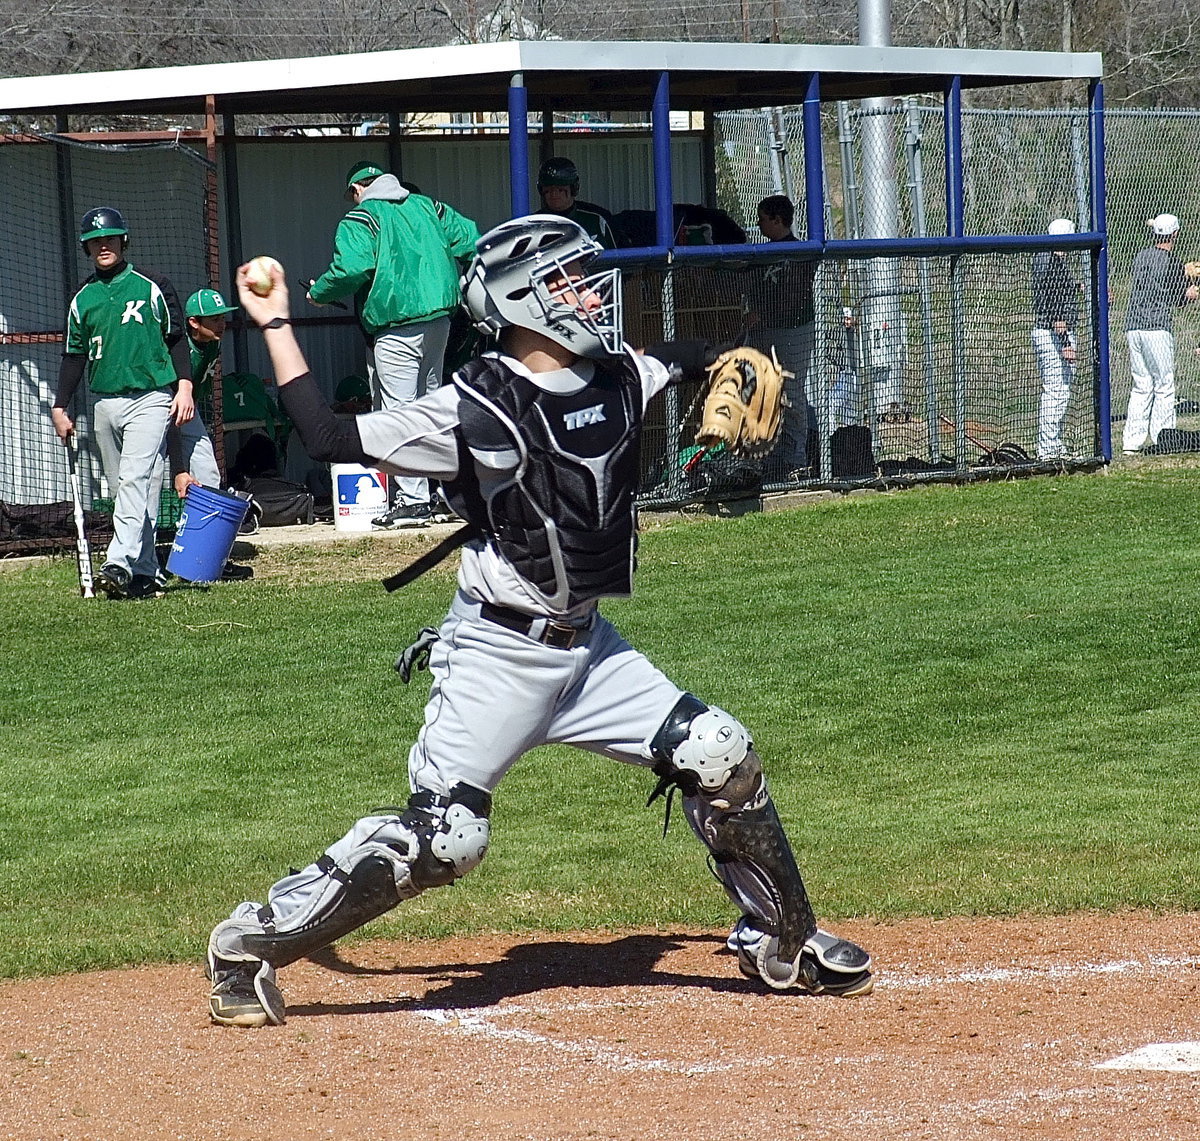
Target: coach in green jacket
(397, 253)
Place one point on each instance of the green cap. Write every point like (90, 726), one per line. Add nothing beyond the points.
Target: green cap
(361, 171)
(207, 303)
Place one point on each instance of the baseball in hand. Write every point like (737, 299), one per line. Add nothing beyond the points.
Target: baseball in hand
(258, 274)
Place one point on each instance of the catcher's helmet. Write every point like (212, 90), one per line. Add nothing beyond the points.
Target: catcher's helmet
(558, 172)
(102, 222)
(510, 281)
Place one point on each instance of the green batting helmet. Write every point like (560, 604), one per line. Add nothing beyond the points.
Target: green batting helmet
(102, 222)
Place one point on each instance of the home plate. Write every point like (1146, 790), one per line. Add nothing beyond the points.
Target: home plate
(1180, 1057)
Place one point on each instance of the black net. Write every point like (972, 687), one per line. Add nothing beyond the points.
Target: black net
(163, 192)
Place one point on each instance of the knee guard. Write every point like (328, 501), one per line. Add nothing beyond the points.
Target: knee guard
(708, 754)
(381, 861)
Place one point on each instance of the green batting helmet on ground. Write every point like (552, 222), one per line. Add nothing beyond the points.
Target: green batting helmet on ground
(102, 222)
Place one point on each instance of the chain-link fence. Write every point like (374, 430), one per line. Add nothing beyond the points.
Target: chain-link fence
(1020, 170)
(961, 382)
(910, 367)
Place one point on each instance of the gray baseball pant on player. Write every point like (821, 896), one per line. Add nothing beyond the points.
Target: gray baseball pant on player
(794, 348)
(130, 432)
(1056, 373)
(496, 694)
(1152, 398)
(404, 363)
(199, 458)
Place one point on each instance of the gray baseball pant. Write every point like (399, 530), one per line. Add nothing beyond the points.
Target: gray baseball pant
(404, 363)
(130, 431)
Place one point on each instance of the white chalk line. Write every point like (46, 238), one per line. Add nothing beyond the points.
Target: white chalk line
(482, 1021)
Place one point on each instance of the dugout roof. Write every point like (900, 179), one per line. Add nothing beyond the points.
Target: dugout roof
(559, 75)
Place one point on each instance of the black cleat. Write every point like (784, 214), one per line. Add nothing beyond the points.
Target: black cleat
(114, 580)
(404, 515)
(145, 586)
(245, 994)
(826, 964)
(439, 510)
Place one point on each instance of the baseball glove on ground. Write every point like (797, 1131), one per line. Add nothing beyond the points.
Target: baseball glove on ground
(1191, 270)
(744, 402)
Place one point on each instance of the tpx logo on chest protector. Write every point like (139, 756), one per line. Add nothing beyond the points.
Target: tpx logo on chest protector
(583, 417)
(133, 312)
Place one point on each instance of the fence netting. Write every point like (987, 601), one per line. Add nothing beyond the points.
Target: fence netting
(906, 368)
(47, 183)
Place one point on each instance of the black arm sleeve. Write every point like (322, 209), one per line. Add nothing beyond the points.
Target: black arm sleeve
(326, 438)
(690, 358)
(70, 373)
(174, 449)
(176, 335)
(181, 358)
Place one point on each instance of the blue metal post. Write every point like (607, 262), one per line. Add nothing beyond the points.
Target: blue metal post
(518, 144)
(954, 158)
(664, 194)
(814, 163)
(1100, 266)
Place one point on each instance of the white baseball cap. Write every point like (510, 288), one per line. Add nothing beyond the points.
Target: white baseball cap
(1061, 226)
(1164, 225)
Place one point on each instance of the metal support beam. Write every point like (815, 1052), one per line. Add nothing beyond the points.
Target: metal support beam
(233, 229)
(518, 144)
(1100, 268)
(664, 194)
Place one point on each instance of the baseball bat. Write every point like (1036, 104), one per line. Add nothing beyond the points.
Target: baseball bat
(306, 284)
(967, 435)
(83, 552)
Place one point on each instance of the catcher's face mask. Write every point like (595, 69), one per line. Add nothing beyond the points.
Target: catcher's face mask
(533, 272)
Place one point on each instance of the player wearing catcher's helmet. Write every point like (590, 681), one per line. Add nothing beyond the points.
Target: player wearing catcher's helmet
(537, 446)
(125, 327)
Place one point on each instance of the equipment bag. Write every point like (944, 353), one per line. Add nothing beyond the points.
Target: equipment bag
(280, 502)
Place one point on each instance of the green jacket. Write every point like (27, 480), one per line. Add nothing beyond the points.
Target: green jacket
(397, 253)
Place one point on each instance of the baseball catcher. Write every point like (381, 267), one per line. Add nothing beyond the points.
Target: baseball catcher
(536, 446)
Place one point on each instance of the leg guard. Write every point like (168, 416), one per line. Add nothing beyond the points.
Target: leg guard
(708, 755)
(382, 860)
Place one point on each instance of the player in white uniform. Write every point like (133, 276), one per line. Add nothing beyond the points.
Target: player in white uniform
(536, 446)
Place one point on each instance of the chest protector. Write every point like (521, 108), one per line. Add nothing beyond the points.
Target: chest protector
(564, 517)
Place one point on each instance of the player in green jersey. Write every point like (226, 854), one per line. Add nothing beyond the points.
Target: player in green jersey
(206, 312)
(125, 327)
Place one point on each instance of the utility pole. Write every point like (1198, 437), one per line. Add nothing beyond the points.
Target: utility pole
(882, 321)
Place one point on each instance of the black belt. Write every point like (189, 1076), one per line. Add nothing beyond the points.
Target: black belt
(560, 635)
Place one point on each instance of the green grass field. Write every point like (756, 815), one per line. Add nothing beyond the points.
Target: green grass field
(976, 700)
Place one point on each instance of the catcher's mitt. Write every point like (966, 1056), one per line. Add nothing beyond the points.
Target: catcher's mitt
(1191, 270)
(744, 403)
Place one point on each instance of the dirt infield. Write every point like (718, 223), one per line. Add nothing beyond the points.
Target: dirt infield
(978, 1029)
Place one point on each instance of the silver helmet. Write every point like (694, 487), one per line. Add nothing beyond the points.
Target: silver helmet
(516, 279)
